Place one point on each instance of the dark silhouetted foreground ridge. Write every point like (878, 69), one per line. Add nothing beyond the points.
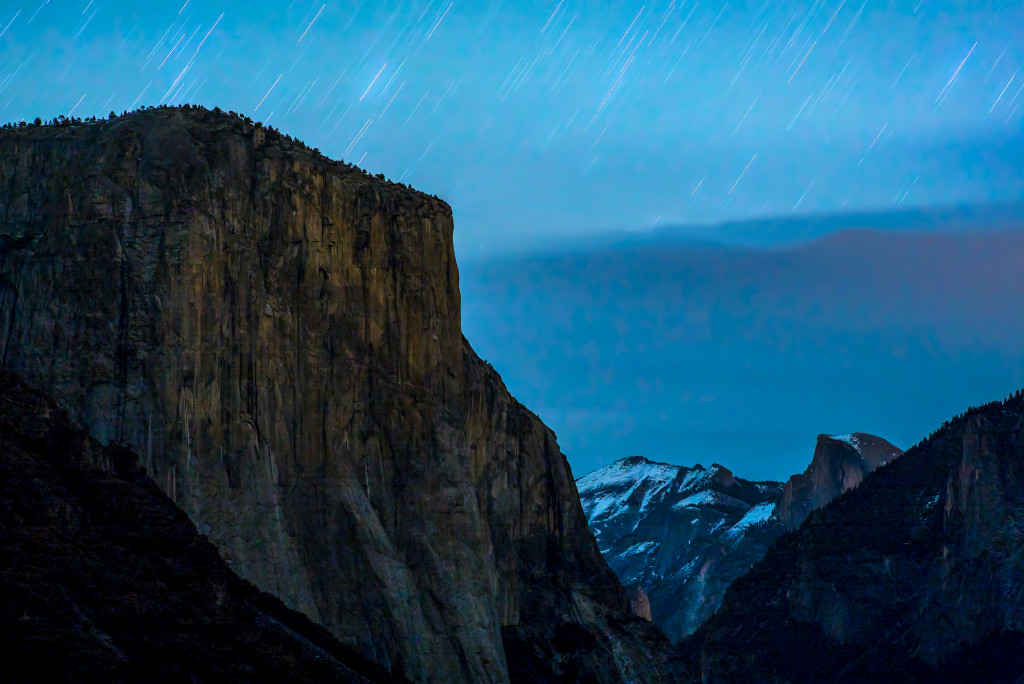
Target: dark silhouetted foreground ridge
(102, 578)
(913, 576)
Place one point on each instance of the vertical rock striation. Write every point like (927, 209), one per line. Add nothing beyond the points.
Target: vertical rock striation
(278, 335)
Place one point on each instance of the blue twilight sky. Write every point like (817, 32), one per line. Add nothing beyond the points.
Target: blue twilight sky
(564, 121)
(540, 119)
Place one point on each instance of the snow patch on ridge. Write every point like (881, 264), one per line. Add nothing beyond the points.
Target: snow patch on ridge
(604, 492)
(639, 548)
(758, 513)
(696, 478)
(848, 438)
(701, 498)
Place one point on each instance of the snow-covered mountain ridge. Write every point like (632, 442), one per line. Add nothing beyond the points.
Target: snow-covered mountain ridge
(683, 534)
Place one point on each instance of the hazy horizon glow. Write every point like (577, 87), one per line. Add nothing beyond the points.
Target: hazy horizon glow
(697, 353)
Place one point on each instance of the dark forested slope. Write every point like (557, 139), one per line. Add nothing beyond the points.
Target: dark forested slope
(915, 575)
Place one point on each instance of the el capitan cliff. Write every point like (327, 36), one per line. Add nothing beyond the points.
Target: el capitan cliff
(278, 336)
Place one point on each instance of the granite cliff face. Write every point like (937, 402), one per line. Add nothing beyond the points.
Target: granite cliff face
(678, 534)
(839, 463)
(913, 576)
(104, 579)
(278, 336)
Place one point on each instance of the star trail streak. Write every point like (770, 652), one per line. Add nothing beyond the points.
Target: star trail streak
(604, 116)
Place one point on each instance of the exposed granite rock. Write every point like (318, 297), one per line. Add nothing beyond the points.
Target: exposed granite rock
(103, 579)
(914, 576)
(681, 535)
(278, 335)
(639, 603)
(839, 463)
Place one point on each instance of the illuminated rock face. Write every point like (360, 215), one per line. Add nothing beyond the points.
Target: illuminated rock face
(278, 336)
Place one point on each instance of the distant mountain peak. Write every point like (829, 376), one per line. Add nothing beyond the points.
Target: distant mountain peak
(722, 475)
(642, 460)
(672, 531)
(840, 462)
(682, 534)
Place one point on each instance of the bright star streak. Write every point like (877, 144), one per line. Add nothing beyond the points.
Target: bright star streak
(902, 72)
(439, 21)
(833, 17)
(872, 144)
(416, 107)
(134, 102)
(956, 73)
(268, 92)
(742, 174)
(801, 63)
(392, 99)
(630, 27)
(552, 16)
(76, 105)
(356, 139)
(745, 116)
(1002, 93)
(208, 34)
(373, 81)
(11, 22)
(311, 24)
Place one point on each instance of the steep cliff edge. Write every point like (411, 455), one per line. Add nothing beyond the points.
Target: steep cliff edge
(839, 463)
(915, 575)
(278, 335)
(103, 578)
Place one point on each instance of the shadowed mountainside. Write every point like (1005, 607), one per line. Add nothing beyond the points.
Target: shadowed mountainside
(103, 578)
(913, 576)
(840, 462)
